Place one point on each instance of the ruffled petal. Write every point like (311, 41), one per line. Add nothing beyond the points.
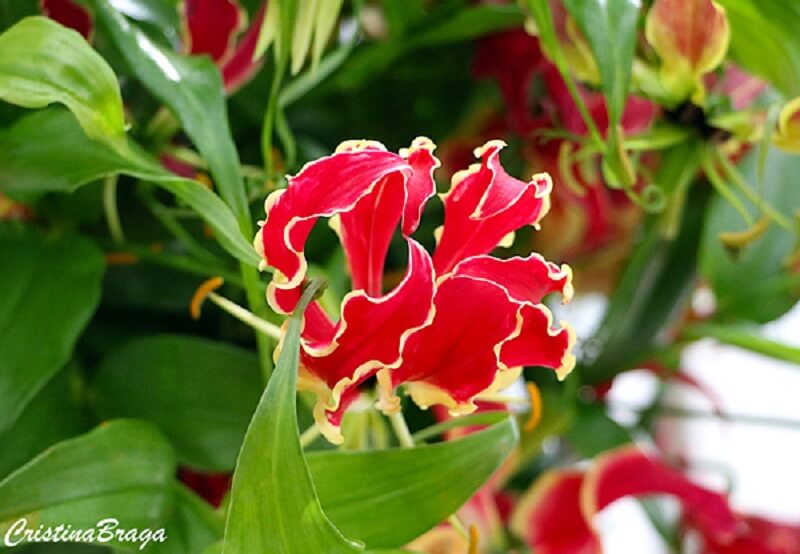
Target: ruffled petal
(212, 27)
(485, 205)
(368, 338)
(323, 188)
(455, 357)
(367, 229)
(69, 14)
(366, 190)
(629, 472)
(548, 518)
(527, 281)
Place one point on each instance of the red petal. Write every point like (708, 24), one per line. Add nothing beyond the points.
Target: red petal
(485, 205)
(212, 26)
(761, 536)
(454, 358)
(629, 472)
(240, 66)
(323, 188)
(368, 338)
(69, 14)
(527, 281)
(549, 519)
(369, 189)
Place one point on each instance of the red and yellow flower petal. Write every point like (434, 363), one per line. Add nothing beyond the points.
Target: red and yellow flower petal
(367, 229)
(691, 37)
(485, 205)
(241, 65)
(455, 357)
(212, 27)
(527, 281)
(629, 472)
(368, 338)
(549, 520)
(759, 536)
(69, 14)
(323, 188)
(787, 136)
(368, 189)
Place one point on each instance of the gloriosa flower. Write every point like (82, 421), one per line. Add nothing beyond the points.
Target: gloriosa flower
(460, 323)
(691, 37)
(556, 514)
(211, 27)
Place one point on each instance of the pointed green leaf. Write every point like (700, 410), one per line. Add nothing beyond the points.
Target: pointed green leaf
(50, 289)
(42, 63)
(74, 160)
(192, 88)
(367, 494)
(274, 507)
(121, 469)
(149, 378)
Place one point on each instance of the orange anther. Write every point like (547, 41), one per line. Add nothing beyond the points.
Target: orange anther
(536, 407)
(206, 288)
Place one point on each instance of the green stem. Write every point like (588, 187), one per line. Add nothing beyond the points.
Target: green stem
(723, 189)
(245, 316)
(309, 435)
(401, 430)
(744, 339)
(759, 202)
(111, 211)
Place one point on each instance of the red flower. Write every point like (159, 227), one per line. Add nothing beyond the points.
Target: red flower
(211, 27)
(458, 325)
(555, 516)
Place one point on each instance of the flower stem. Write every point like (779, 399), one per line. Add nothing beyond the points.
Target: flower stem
(401, 430)
(246, 316)
(309, 435)
(110, 208)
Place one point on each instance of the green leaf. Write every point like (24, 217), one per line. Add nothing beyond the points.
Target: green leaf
(657, 280)
(46, 301)
(592, 432)
(274, 507)
(747, 339)
(53, 415)
(74, 160)
(192, 88)
(610, 28)
(367, 494)
(161, 15)
(191, 524)
(756, 284)
(42, 63)
(201, 394)
(764, 40)
(121, 469)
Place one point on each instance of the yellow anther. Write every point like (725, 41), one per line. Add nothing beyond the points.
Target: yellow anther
(206, 288)
(474, 539)
(536, 407)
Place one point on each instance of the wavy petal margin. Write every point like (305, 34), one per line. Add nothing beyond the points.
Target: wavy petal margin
(485, 206)
(556, 515)
(548, 517)
(691, 37)
(366, 190)
(527, 281)
(368, 338)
